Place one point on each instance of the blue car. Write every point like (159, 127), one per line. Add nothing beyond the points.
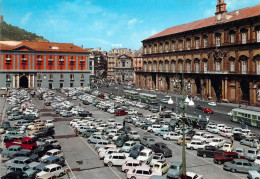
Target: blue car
(174, 170)
(135, 150)
(162, 131)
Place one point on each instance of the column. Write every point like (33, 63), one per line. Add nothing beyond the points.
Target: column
(209, 88)
(17, 81)
(33, 81)
(225, 88)
(157, 82)
(13, 81)
(29, 81)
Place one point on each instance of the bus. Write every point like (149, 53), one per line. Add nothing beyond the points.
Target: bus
(131, 94)
(148, 98)
(244, 116)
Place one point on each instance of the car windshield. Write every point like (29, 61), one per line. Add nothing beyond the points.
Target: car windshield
(156, 166)
(48, 153)
(151, 140)
(142, 154)
(226, 145)
(239, 151)
(174, 167)
(251, 152)
(127, 144)
(156, 157)
(46, 161)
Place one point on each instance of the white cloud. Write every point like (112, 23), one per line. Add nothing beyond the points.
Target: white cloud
(238, 4)
(153, 31)
(134, 21)
(26, 18)
(209, 12)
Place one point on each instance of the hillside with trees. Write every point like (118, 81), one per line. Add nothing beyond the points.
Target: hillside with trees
(9, 32)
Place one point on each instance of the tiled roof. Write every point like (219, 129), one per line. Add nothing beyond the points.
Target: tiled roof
(242, 14)
(41, 46)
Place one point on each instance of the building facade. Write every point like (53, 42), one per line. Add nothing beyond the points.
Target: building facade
(43, 64)
(219, 57)
(124, 70)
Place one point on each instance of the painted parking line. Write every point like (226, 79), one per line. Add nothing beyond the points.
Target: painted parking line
(96, 153)
(74, 177)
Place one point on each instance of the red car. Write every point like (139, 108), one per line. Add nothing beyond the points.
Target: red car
(25, 143)
(208, 110)
(121, 113)
(226, 157)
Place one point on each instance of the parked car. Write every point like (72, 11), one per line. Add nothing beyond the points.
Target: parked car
(195, 144)
(127, 146)
(240, 151)
(141, 172)
(120, 113)
(238, 136)
(226, 157)
(253, 174)
(187, 140)
(52, 152)
(208, 151)
(130, 165)
(199, 106)
(145, 156)
(228, 147)
(212, 104)
(174, 170)
(116, 159)
(161, 167)
(240, 165)
(49, 171)
(172, 136)
(165, 114)
(147, 141)
(192, 175)
(250, 142)
(157, 157)
(96, 138)
(217, 142)
(161, 148)
(135, 150)
(133, 135)
(252, 154)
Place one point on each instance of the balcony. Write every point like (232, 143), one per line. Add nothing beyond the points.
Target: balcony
(39, 60)
(72, 60)
(61, 60)
(72, 79)
(8, 79)
(8, 59)
(24, 59)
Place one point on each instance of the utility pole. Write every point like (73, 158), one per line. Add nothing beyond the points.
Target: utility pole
(183, 130)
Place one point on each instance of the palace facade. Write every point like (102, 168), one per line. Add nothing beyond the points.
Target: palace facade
(219, 57)
(43, 64)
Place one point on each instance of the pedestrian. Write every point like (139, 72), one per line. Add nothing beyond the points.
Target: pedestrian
(232, 139)
(239, 105)
(246, 126)
(194, 112)
(246, 104)
(76, 132)
(124, 123)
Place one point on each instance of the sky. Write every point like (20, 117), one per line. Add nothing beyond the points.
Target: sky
(107, 23)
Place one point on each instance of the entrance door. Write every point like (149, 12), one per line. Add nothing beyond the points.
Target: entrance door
(50, 85)
(23, 82)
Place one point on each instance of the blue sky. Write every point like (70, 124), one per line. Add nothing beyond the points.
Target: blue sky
(107, 23)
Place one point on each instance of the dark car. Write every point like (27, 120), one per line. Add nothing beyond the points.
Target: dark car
(126, 129)
(238, 136)
(190, 133)
(135, 150)
(6, 125)
(161, 148)
(146, 125)
(208, 151)
(199, 106)
(50, 160)
(13, 175)
(40, 151)
(84, 114)
(25, 153)
(86, 102)
(226, 157)
(30, 117)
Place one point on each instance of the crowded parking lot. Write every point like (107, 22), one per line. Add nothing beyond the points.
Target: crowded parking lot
(103, 135)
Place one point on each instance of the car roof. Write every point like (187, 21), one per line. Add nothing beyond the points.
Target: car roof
(14, 146)
(230, 153)
(146, 150)
(176, 163)
(21, 158)
(52, 166)
(142, 168)
(241, 160)
(51, 158)
(133, 161)
(53, 150)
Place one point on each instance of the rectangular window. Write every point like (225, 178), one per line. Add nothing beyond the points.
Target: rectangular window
(123, 64)
(81, 84)
(167, 48)
(244, 67)
(71, 77)
(155, 49)
(71, 84)
(145, 67)
(161, 67)
(205, 42)
(218, 41)
(166, 67)
(232, 66)
(205, 67)
(197, 67)
(258, 36)
(244, 38)
(39, 58)
(232, 38)
(161, 48)
(217, 66)
(150, 49)
(188, 45)
(145, 50)
(197, 43)
(150, 66)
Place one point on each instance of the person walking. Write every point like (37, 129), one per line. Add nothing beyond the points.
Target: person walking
(232, 139)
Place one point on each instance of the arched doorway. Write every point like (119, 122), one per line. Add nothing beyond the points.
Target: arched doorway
(198, 85)
(23, 82)
(168, 83)
(217, 85)
(245, 89)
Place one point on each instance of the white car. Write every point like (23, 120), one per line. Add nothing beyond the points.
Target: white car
(195, 144)
(50, 171)
(172, 136)
(112, 133)
(133, 135)
(111, 121)
(207, 138)
(192, 175)
(257, 160)
(156, 158)
(230, 114)
(145, 156)
(49, 123)
(198, 135)
(108, 151)
(116, 159)
(106, 147)
(212, 104)
(127, 146)
(132, 111)
(212, 129)
(217, 142)
(52, 152)
(154, 128)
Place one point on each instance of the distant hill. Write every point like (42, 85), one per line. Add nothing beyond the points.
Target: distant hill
(9, 32)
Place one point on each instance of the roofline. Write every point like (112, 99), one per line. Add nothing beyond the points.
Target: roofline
(217, 24)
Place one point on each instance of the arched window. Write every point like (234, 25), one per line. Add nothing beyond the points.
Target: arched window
(244, 35)
(218, 39)
(197, 65)
(232, 34)
(145, 48)
(180, 66)
(197, 42)
(188, 44)
(155, 48)
(61, 76)
(205, 41)
(150, 66)
(150, 49)
(205, 65)
(173, 46)
(145, 66)
(161, 66)
(180, 45)
(243, 64)
(167, 47)
(232, 64)
(166, 66)
(173, 66)
(161, 48)
(188, 65)
(155, 66)
(51, 77)
(257, 31)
